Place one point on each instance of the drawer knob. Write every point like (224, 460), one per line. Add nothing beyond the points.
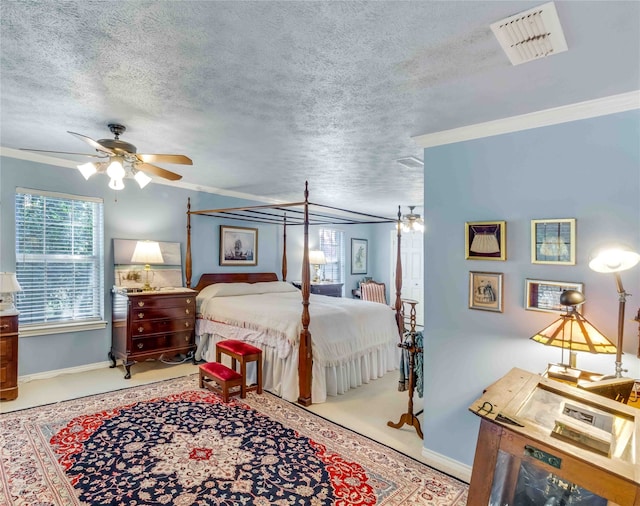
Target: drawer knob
(140, 315)
(140, 329)
(188, 301)
(186, 338)
(141, 303)
(140, 346)
(187, 311)
(186, 324)
(5, 326)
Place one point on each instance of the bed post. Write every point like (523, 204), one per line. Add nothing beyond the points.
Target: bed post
(188, 266)
(305, 361)
(284, 249)
(398, 304)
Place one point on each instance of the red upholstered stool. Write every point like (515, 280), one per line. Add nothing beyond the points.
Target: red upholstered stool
(220, 379)
(243, 353)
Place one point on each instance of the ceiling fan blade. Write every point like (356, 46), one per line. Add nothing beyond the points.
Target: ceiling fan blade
(60, 152)
(92, 143)
(158, 171)
(181, 159)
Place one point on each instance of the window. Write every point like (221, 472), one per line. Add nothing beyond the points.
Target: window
(332, 244)
(59, 260)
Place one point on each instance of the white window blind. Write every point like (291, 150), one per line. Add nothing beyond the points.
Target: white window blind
(59, 258)
(332, 244)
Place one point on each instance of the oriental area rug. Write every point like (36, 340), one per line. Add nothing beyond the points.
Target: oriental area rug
(173, 443)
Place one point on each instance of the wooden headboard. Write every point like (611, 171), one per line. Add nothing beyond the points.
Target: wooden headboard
(234, 277)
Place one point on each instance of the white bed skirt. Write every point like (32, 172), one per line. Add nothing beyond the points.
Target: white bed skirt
(280, 375)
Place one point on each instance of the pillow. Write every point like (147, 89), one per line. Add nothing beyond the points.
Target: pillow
(274, 287)
(224, 290)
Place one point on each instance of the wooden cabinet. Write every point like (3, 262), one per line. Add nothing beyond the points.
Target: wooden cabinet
(8, 357)
(152, 324)
(323, 288)
(524, 457)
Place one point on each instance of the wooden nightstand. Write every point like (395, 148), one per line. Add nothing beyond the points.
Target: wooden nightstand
(323, 288)
(8, 357)
(151, 324)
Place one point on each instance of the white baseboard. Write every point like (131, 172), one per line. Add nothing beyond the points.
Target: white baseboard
(447, 465)
(57, 372)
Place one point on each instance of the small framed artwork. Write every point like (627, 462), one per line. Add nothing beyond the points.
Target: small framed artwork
(238, 246)
(553, 241)
(359, 253)
(485, 291)
(542, 295)
(485, 240)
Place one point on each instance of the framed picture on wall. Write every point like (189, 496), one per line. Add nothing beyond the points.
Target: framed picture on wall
(485, 240)
(485, 291)
(238, 245)
(542, 295)
(553, 241)
(359, 253)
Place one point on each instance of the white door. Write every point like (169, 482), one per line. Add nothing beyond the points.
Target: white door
(412, 257)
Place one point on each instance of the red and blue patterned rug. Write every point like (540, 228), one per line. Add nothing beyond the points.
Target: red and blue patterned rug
(172, 443)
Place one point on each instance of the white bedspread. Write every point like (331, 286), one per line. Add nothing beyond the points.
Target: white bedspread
(341, 329)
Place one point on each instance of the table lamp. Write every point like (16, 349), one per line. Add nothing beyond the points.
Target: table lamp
(317, 258)
(615, 260)
(574, 332)
(8, 286)
(147, 252)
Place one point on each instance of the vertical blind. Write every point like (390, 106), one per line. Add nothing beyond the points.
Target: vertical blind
(332, 244)
(59, 257)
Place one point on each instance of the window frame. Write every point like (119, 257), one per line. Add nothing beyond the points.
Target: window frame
(340, 269)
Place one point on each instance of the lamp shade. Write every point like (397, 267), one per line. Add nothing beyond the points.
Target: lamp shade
(614, 259)
(573, 332)
(147, 252)
(9, 283)
(316, 257)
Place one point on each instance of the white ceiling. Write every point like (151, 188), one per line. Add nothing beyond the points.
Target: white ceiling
(264, 95)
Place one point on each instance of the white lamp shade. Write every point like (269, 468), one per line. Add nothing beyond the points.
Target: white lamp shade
(316, 257)
(9, 283)
(614, 260)
(87, 169)
(142, 179)
(147, 252)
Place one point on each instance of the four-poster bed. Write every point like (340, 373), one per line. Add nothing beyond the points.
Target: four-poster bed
(303, 214)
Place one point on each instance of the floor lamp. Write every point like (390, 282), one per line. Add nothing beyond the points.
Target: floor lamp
(616, 260)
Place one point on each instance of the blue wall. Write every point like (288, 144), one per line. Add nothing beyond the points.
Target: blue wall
(588, 170)
(157, 212)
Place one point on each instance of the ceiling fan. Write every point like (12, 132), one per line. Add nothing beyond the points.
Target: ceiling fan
(121, 158)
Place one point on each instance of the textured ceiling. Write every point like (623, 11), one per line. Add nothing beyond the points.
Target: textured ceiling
(265, 95)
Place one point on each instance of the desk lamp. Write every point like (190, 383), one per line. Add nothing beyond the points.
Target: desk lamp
(616, 260)
(147, 252)
(317, 258)
(8, 286)
(574, 332)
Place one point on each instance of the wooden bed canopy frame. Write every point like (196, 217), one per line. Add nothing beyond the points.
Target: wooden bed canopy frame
(294, 214)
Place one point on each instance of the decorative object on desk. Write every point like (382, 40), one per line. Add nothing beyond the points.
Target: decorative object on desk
(317, 258)
(545, 295)
(485, 240)
(585, 428)
(615, 260)
(359, 253)
(574, 332)
(485, 291)
(8, 286)
(412, 222)
(147, 252)
(238, 245)
(553, 241)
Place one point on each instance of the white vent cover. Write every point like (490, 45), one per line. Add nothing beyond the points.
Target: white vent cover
(411, 162)
(531, 34)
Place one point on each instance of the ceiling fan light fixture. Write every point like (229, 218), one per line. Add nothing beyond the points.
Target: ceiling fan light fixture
(88, 169)
(142, 179)
(115, 169)
(116, 184)
(412, 222)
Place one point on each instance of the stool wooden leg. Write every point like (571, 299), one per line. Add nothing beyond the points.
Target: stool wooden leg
(217, 355)
(201, 380)
(259, 390)
(243, 373)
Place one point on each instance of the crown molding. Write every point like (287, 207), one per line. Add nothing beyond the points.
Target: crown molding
(547, 117)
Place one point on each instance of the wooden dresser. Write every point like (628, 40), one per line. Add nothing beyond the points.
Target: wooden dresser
(323, 288)
(152, 324)
(8, 357)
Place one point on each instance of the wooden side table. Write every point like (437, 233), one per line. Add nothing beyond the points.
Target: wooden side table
(8, 357)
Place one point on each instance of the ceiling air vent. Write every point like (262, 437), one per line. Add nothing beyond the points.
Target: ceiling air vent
(531, 34)
(411, 162)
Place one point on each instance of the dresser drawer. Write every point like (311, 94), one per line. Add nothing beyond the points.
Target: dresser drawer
(148, 313)
(146, 302)
(8, 324)
(8, 349)
(147, 327)
(161, 341)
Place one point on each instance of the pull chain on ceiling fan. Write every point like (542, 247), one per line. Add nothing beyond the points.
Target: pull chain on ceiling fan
(119, 159)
